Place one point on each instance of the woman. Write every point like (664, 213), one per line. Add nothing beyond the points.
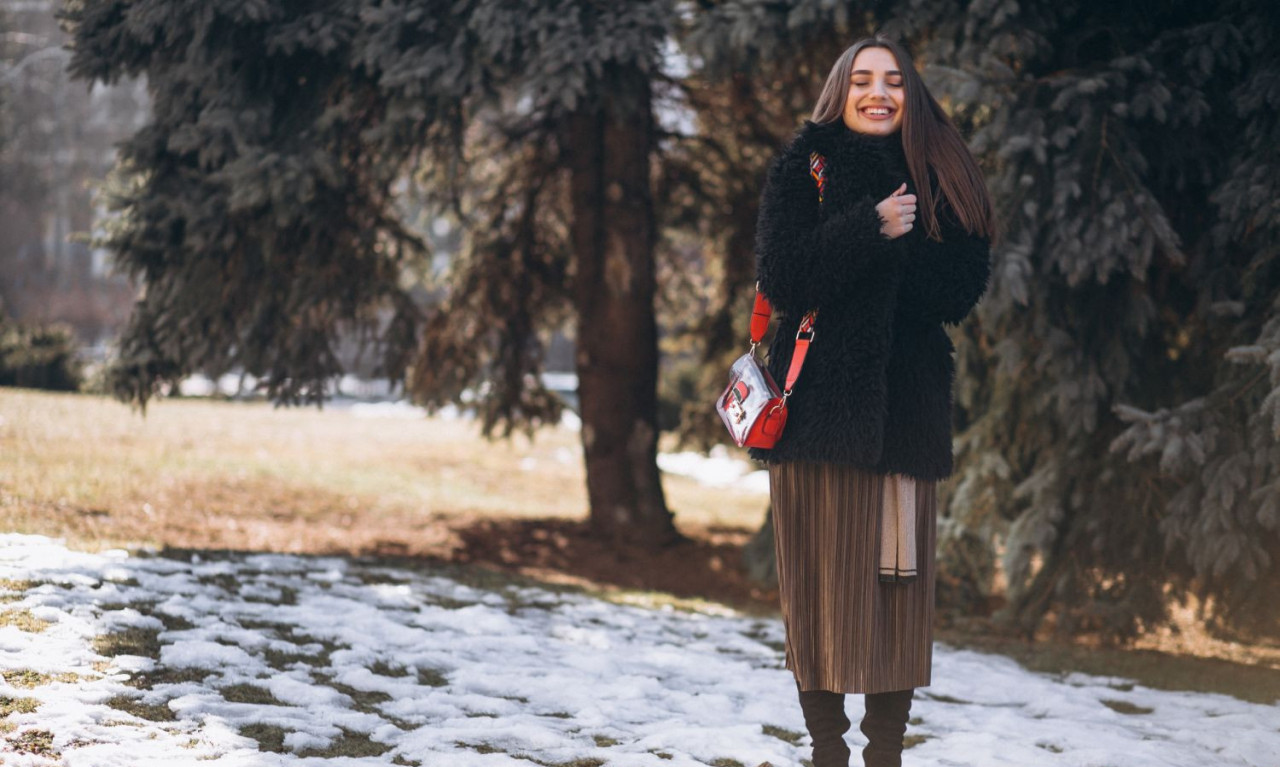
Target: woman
(875, 215)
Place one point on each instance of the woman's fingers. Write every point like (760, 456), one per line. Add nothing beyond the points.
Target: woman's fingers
(897, 212)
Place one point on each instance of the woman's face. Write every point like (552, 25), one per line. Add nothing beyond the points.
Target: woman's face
(876, 93)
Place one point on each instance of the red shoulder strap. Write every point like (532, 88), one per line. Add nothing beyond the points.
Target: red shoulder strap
(760, 314)
(804, 337)
(762, 309)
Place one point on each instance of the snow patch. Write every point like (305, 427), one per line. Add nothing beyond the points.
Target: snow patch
(443, 673)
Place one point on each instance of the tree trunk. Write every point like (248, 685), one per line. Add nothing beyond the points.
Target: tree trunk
(610, 142)
(759, 556)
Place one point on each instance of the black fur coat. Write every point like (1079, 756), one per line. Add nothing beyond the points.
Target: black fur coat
(876, 387)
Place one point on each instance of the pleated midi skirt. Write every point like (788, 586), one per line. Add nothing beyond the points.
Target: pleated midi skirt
(846, 630)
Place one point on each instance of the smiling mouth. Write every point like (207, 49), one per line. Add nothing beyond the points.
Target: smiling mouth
(878, 113)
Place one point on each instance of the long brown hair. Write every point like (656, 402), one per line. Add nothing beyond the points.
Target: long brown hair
(930, 141)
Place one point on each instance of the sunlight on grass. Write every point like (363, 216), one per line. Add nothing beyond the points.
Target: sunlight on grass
(783, 734)
(17, 706)
(24, 620)
(248, 475)
(25, 678)
(659, 600)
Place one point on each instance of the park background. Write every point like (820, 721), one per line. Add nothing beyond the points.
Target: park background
(535, 221)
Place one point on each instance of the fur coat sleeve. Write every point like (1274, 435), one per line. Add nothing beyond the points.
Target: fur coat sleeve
(942, 281)
(806, 254)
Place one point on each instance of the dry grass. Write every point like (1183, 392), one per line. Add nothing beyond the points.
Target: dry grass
(783, 734)
(27, 679)
(150, 712)
(17, 706)
(129, 641)
(24, 620)
(36, 742)
(246, 475)
(9, 584)
(249, 693)
(1125, 707)
(269, 736)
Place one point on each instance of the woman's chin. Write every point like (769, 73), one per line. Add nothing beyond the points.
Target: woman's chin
(872, 127)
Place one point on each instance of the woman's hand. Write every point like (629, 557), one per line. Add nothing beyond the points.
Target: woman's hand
(897, 212)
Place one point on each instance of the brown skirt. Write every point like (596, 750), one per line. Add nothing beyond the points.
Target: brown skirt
(847, 631)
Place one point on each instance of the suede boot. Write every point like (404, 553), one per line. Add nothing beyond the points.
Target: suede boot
(825, 718)
(884, 724)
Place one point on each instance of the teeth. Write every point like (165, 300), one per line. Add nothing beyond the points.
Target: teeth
(877, 111)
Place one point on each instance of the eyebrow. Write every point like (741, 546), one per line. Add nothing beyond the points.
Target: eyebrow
(889, 73)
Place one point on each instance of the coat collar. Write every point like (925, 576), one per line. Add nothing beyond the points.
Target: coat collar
(858, 164)
(836, 139)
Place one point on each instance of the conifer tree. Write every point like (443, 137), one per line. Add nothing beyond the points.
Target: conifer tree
(1117, 389)
(1111, 442)
(258, 205)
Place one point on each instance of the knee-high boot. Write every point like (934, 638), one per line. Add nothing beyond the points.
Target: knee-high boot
(825, 718)
(885, 724)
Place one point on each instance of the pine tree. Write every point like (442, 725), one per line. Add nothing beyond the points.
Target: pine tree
(1116, 396)
(253, 207)
(258, 206)
(1131, 265)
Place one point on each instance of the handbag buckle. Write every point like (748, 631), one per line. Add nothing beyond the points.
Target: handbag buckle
(806, 332)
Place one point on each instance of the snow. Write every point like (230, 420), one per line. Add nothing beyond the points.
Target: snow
(720, 468)
(438, 672)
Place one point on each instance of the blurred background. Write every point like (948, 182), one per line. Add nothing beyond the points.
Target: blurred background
(59, 140)
(541, 215)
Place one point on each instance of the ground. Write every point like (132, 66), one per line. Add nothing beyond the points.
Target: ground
(269, 659)
(410, 494)
(354, 480)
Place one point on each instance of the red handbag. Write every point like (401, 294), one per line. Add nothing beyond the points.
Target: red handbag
(752, 408)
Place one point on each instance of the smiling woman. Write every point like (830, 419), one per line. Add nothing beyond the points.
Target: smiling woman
(874, 102)
(853, 477)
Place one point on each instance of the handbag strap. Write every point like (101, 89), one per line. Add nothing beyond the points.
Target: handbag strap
(763, 310)
(805, 334)
(804, 337)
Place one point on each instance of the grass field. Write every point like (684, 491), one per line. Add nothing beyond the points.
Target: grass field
(247, 475)
(198, 474)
